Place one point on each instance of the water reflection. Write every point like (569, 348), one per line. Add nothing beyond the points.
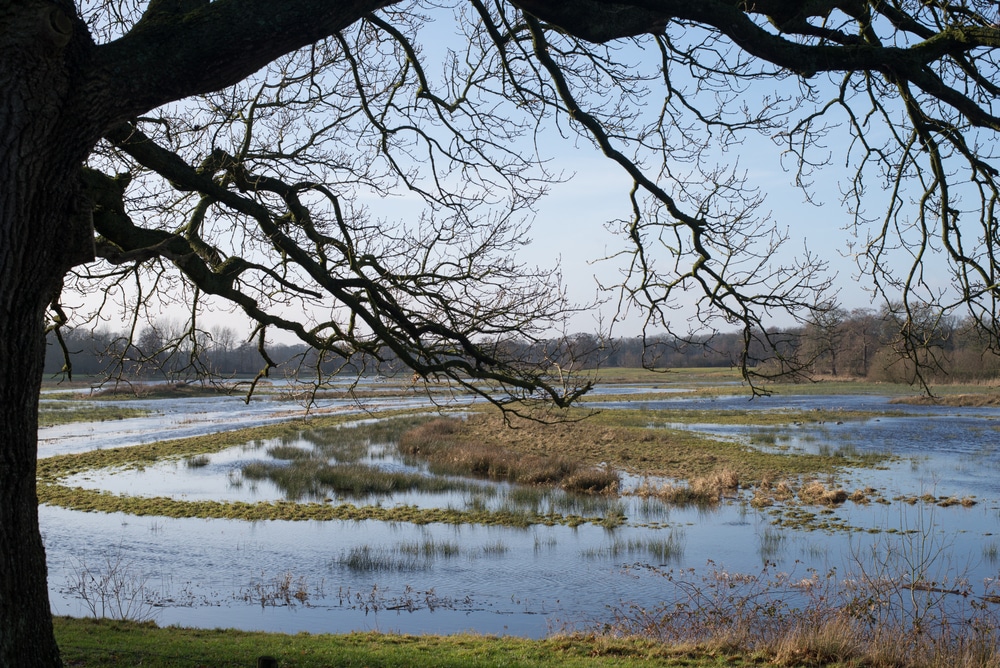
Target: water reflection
(338, 576)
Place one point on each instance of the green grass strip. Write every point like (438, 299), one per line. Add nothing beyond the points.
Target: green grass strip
(89, 643)
(88, 500)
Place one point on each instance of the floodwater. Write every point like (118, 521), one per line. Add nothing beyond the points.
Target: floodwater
(341, 576)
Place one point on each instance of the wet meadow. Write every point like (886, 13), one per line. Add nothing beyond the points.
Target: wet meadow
(658, 500)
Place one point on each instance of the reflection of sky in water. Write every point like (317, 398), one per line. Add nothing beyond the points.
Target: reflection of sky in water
(183, 418)
(543, 576)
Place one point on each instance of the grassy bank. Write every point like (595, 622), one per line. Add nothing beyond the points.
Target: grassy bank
(644, 443)
(56, 413)
(88, 643)
(53, 470)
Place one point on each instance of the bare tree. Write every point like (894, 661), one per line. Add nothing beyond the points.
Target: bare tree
(904, 94)
(221, 151)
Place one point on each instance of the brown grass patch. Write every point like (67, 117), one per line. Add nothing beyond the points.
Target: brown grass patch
(623, 440)
(815, 492)
(701, 491)
(445, 445)
(959, 400)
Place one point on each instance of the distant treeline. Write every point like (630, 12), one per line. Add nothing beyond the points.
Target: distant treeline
(863, 344)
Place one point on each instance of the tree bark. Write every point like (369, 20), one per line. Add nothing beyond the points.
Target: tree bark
(44, 230)
(26, 637)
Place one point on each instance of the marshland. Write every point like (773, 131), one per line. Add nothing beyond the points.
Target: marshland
(660, 498)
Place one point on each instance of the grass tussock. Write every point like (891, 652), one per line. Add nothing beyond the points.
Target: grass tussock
(816, 493)
(810, 493)
(197, 461)
(705, 490)
(440, 443)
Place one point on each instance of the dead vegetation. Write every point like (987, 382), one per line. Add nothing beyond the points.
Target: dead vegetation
(443, 444)
(975, 400)
(811, 492)
(701, 491)
(624, 440)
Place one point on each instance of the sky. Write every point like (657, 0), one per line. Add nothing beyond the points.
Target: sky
(571, 226)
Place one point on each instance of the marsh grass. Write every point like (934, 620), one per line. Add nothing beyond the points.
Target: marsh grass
(991, 553)
(51, 413)
(354, 441)
(641, 442)
(850, 451)
(771, 542)
(311, 478)
(766, 438)
(664, 550)
(614, 516)
(52, 471)
(703, 491)
(438, 443)
(494, 548)
(289, 452)
(366, 559)
(197, 461)
(430, 548)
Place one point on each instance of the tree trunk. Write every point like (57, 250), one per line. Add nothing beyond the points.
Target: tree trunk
(43, 232)
(26, 637)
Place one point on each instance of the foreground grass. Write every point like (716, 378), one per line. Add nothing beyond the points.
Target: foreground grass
(88, 643)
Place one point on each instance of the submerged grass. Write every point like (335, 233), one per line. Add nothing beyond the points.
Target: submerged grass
(664, 550)
(367, 559)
